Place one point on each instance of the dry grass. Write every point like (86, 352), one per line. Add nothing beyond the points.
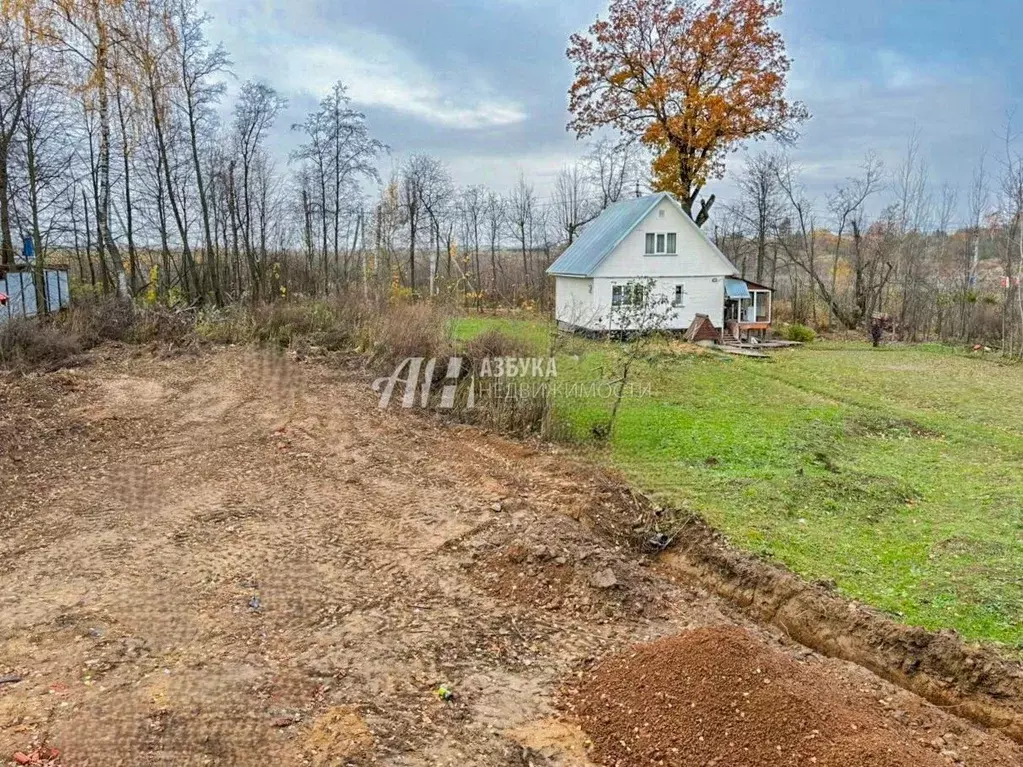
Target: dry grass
(28, 344)
(386, 332)
(407, 330)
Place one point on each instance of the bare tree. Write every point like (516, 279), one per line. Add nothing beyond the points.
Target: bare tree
(200, 66)
(800, 243)
(613, 167)
(471, 209)
(760, 202)
(846, 202)
(254, 114)
(88, 32)
(16, 53)
(520, 210)
(1011, 213)
(574, 201)
(494, 215)
(47, 160)
(353, 150)
(151, 43)
(424, 187)
(913, 206)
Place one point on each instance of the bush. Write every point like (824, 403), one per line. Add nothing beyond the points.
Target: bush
(800, 333)
(222, 326)
(333, 325)
(399, 331)
(32, 343)
(282, 323)
(102, 319)
(522, 411)
(162, 325)
(526, 410)
(111, 319)
(493, 344)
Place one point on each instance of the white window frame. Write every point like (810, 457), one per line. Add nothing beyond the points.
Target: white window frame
(678, 297)
(661, 238)
(628, 297)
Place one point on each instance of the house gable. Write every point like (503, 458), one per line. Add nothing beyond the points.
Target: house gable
(695, 254)
(600, 237)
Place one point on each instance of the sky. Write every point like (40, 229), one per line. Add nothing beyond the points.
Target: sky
(482, 84)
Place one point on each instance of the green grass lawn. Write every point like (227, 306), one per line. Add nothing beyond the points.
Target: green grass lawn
(895, 472)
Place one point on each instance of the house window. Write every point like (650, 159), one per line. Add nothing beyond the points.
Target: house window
(661, 244)
(763, 306)
(626, 295)
(680, 296)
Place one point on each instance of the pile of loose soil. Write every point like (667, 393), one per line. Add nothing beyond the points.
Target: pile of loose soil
(718, 696)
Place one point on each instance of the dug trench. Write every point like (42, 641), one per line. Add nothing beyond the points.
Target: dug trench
(975, 681)
(236, 558)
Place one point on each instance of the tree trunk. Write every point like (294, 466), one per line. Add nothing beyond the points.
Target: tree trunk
(189, 277)
(88, 241)
(133, 261)
(32, 169)
(211, 244)
(106, 243)
(6, 238)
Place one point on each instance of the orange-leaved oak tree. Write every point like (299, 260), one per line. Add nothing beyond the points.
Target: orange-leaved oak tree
(688, 79)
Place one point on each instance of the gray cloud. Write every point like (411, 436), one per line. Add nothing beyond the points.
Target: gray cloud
(482, 84)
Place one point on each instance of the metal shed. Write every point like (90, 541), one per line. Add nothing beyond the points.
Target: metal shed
(18, 292)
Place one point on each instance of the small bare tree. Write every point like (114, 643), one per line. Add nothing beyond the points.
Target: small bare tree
(639, 313)
(845, 203)
(521, 208)
(614, 167)
(574, 201)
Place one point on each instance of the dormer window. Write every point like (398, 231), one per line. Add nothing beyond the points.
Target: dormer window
(661, 243)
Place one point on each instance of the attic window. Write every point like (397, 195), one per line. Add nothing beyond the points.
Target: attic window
(660, 213)
(661, 243)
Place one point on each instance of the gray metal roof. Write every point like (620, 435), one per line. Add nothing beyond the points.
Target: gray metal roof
(602, 235)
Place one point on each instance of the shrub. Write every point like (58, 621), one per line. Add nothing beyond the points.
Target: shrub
(494, 343)
(800, 333)
(399, 331)
(111, 319)
(283, 322)
(332, 325)
(526, 411)
(221, 326)
(102, 319)
(162, 325)
(31, 343)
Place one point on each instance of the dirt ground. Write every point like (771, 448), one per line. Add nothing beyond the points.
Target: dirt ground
(231, 558)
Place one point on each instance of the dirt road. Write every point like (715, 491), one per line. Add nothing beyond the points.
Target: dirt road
(235, 559)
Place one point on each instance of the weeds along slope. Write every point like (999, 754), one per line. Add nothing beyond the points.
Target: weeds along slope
(376, 334)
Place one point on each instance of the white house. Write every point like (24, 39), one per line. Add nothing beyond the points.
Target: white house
(652, 238)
